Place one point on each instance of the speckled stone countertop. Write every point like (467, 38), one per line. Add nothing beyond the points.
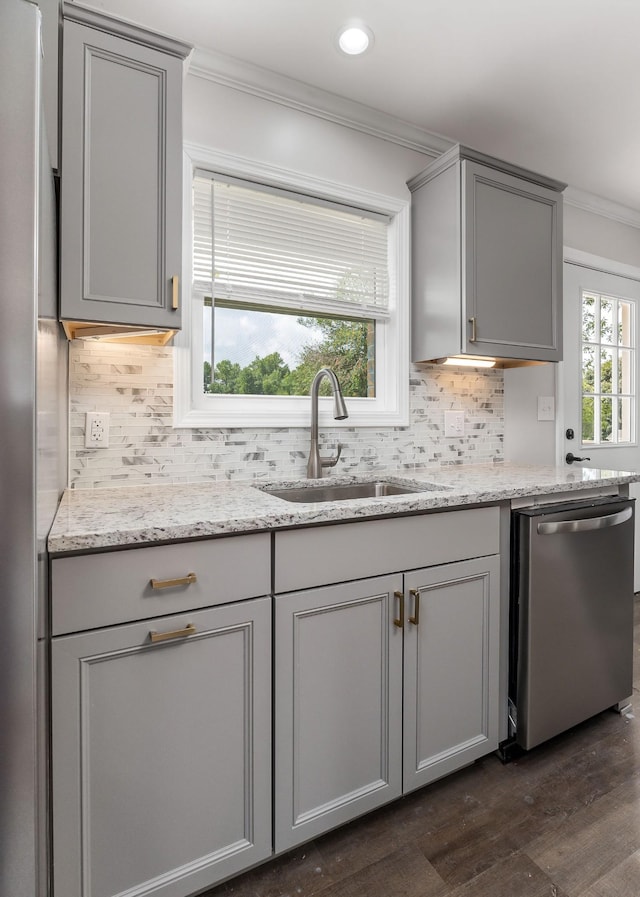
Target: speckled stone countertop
(142, 515)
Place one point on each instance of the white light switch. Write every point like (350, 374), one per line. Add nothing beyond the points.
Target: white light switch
(454, 423)
(546, 408)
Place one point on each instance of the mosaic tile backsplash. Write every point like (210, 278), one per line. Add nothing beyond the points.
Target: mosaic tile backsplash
(135, 385)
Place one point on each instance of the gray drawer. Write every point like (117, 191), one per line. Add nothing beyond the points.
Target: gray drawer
(311, 557)
(94, 590)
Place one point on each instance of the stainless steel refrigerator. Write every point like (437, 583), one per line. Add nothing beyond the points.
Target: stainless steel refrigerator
(32, 446)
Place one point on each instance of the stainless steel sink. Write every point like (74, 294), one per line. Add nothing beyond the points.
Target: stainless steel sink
(346, 491)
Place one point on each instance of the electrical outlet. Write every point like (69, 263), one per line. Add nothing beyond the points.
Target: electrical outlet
(96, 429)
(454, 423)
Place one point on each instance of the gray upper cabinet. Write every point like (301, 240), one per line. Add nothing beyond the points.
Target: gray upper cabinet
(121, 185)
(487, 260)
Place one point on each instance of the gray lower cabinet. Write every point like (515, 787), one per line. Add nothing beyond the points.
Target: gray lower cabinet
(451, 668)
(381, 686)
(121, 173)
(487, 260)
(161, 758)
(338, 706)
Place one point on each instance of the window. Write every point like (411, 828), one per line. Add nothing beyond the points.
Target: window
(286, 280)
(608, 366)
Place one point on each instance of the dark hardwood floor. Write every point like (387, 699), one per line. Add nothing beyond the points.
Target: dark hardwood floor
(561, 821)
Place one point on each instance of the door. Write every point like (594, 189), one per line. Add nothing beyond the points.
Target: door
(512, 280)
(161, 758)
(451, 671)
(338, 705)
(594, 435)
(121, 201)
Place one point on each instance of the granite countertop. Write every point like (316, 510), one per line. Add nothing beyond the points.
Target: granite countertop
(99, 519)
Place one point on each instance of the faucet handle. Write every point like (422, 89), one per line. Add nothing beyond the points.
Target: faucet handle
(331, 462)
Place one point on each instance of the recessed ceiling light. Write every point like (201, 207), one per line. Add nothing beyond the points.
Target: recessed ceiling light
(354, 39)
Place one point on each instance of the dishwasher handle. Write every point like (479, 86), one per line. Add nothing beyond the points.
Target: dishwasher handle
(585, 524)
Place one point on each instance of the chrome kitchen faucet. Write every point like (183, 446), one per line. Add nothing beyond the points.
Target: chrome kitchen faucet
(316, 462)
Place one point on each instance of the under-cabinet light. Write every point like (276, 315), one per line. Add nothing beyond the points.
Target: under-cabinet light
(471, 362)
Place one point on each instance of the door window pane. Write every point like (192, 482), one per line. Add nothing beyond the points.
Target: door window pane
(624, 323)
(625, 372)
(624, 419)
(587, 419)
(606, 427)
(588, 317)
(606, 320)
(588, 369)
(606, 365)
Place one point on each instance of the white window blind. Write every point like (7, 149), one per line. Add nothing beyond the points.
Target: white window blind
(266, 247)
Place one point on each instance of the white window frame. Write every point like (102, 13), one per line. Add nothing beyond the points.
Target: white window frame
(390, 407)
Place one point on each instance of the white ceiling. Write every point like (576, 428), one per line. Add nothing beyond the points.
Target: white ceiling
(552, 85)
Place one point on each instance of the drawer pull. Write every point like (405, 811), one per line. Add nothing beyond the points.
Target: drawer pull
(415, 619)
(171, 583)
(177, 633)
(399, 621)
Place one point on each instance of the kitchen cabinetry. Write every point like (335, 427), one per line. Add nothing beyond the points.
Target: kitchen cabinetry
(487, 260)
(382, 684)
(161, 729)
(121, 185)
(451, 668)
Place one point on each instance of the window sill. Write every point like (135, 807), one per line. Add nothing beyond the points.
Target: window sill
(300, 416)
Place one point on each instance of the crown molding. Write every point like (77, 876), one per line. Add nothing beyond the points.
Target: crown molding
(93, 18)
(268, 85)
(606, 208)
(600, 263)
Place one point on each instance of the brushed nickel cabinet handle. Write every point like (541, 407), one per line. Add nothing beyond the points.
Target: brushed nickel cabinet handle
(415, 619)
(175, 292)
(474, 333)
(399, 621)
(176, 633)
(187, 580)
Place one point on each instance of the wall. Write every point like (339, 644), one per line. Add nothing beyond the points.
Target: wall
(135, 384)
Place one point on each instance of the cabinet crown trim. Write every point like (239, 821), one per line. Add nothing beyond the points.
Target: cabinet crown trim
(458, 153)
(72, 12)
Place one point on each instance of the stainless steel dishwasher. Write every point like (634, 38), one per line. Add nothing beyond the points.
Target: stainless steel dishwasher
(571, 615)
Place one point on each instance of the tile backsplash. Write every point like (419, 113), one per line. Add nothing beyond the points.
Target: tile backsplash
(135, 385)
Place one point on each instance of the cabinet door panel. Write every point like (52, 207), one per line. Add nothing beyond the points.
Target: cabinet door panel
(338, 706)
(512, 287)
(123, 155)
(451, 669)
(161, 758)
(121, 177)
